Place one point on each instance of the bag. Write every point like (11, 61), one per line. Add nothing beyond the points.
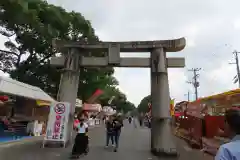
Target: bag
(117, 125)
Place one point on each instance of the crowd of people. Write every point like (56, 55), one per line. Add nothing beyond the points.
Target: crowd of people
(113, 130)
(113, 124)
(142, 120)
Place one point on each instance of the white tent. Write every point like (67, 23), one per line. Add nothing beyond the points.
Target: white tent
(13, 87)
(107, 110)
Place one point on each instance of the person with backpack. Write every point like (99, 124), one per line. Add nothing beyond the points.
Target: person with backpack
(109, 131)
(117, 126)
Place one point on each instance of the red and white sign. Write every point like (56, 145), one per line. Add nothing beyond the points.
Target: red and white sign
(92, 107)
(58, 121)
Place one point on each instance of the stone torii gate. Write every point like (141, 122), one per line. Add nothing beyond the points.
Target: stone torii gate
(162, 140)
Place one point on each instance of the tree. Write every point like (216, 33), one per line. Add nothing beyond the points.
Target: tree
(120, 100)
(143, 106)
(30, 27)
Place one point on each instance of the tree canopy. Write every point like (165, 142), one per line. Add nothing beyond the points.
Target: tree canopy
(120, 99)
(30, 26)
(143, 106)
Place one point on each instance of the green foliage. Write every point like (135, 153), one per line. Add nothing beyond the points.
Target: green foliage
(30, 27)
(143, 106)
(120, 100)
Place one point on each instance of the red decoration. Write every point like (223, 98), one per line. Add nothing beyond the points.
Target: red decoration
(97, 92)
(4, 98)
(95, 95)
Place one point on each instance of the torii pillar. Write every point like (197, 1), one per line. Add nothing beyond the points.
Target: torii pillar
(162, 140)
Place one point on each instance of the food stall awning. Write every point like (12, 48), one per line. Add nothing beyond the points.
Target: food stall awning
(43, 103)
(228, 93)
(13, 87)
(92, 107)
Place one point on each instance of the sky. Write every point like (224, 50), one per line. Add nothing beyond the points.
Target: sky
(211, 29)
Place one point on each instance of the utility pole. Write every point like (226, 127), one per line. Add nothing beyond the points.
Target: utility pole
(237, 77)
(188, 96)
(194, 81)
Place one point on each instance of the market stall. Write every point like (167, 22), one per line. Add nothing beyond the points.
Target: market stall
(92, 110)
(24, 103)
(205, 118)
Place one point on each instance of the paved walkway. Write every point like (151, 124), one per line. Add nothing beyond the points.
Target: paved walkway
(134, 145)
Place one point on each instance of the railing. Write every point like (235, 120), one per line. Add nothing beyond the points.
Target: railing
(94, 122)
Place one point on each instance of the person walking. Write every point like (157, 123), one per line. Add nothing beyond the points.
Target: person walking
(81, 140)
(141, 120)
(129, 119)
(117, 126)
(109, 131)
(230, 151)
(134, 122)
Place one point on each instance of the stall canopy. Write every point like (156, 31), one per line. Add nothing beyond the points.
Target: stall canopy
(228, 93)
(92, 107)
(13, 87)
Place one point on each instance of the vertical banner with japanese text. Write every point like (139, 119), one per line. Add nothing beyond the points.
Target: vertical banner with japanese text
(172, 107)
(58, 121)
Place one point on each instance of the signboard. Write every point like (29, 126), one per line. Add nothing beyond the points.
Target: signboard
(172, 107)
(78, 103)
(92, 107)
(58, 122)
(108, 110)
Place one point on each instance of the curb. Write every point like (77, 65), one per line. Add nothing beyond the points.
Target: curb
(21, 142)
(30, 140)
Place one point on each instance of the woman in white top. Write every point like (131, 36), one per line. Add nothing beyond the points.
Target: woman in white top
(81, 141)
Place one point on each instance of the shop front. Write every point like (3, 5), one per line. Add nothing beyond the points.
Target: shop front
(21, 104)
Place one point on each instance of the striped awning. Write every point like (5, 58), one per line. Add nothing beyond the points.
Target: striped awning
(13, 87)
(228, 93)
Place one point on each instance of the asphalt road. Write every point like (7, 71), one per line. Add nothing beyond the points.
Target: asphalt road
(134, 145)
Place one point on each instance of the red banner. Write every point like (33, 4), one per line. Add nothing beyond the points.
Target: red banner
(95, 95)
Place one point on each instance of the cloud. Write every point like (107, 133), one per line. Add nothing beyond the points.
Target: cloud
(210, 27)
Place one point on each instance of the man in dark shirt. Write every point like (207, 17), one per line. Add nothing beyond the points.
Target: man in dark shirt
(230, 150)
(117, 126)
(109, 131)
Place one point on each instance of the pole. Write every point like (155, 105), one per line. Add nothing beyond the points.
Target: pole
(162, 140)
(195, 82)
(237, 66)
(68, 86)
(188, 96)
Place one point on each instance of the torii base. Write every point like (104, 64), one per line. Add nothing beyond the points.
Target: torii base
(165, 154)
(162, 139)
